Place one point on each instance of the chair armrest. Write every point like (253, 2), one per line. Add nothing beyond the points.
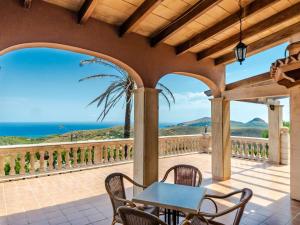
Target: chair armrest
(214, 203)
(167, 174)
(133, 182)
(223, 196)
(127, 202)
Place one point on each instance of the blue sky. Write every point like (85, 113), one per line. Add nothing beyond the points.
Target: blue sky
(41, 85)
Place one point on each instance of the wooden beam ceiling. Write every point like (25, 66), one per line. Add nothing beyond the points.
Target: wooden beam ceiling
(276, 19)
(140, 13)
(229, 21)
(27, 3)
(192, 13)
(86, 10)
(264, 43)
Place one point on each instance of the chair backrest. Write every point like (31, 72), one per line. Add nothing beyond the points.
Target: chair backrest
(185, 175)
(114, 185)
(245, 197)
(131, 216)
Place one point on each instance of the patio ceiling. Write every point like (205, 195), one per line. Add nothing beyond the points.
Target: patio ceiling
(208, 28)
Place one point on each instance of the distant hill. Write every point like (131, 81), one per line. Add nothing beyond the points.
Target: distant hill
(206, 121)
(257, 122)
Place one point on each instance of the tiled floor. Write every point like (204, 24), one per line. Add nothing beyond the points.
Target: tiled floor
(80, 198)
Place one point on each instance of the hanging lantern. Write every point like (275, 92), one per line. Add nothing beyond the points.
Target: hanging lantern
(241, 49)
(240, 52)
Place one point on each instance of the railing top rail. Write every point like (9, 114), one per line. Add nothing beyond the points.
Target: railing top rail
(112, 141)
(57, 144)
(250, 139)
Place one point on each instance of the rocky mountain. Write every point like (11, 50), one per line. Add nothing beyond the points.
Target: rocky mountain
(206, 121)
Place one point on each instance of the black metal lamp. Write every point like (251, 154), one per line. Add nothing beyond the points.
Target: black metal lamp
(241, 49)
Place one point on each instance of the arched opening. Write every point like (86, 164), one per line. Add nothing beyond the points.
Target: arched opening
(42, 102)
(185, 124)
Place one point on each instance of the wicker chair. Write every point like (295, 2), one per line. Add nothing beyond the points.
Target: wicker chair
(185, 175)
(131, 216)
(203, 218)
(114, 185)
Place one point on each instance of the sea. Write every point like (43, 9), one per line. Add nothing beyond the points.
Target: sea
(43, 129)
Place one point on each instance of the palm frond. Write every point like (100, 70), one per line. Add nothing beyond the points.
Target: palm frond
(166, 98)
(99, 76)
(168, 91)
(105, 63)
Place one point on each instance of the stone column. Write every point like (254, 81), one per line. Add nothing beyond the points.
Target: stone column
(275, 125)
(145, 169)
(295, 142)
(221, 147)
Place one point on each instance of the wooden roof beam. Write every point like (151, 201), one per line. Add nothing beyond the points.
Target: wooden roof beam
(140, 13)
(276, 19)
(249, 81)
(86, 10)
(273, 90)
(263, 44)
(27, 3)
(192, 13)
(229, 21)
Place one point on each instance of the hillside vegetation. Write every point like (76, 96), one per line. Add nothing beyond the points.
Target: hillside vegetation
(253, 128)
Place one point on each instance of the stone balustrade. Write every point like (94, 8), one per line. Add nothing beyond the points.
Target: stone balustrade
(250, 148)
(48, 158)
(42, 159)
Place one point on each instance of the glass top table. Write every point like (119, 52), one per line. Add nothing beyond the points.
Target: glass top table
(176, 197)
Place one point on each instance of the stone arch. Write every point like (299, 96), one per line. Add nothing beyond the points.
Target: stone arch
(131, 71)
(211, 84)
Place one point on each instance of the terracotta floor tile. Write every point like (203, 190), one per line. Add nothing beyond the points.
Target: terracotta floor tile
(80, 198)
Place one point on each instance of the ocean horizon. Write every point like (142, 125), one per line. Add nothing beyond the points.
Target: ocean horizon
(43, 129)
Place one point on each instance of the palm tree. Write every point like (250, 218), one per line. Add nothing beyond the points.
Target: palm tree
(121, 87)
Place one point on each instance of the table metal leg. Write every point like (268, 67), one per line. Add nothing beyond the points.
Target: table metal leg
(174, 217)
(169, 216)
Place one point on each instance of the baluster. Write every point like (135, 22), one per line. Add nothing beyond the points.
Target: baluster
(266, 151)
(67, 158)
(131, 151)
(176, 146)
(250, 150)
(255, 148)
(75, 157)
(82, 156)
(105, 154)
(89, 156)
(50, 160)
(42, 161)
(111, 153)
(233, 148)
(117, 152)
(32, 162)
(22, 163)
(242, 146)
(12, 164)
(59, 159)
(123, 158)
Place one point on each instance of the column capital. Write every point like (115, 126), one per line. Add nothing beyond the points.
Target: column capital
(217, 99)
(148, 90)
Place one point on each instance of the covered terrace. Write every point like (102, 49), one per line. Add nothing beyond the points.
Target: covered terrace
(152, 38)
